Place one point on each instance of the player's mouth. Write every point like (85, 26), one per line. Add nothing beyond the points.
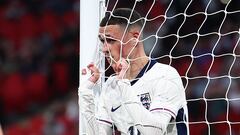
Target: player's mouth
(107, 55)
(108, 59)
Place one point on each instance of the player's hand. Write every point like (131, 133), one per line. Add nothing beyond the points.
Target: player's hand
(122, 67)
(1, 132)
(95, 74)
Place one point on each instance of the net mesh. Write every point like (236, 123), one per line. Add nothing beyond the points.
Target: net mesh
(200, 38)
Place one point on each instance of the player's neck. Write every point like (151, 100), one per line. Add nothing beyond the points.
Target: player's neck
(137, 65)
(138, 60)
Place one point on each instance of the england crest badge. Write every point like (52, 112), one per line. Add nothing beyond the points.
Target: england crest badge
(146, 100)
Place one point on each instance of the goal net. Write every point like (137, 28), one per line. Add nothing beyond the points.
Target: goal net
(200, 38)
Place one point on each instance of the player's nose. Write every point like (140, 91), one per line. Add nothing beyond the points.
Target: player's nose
(105, 48)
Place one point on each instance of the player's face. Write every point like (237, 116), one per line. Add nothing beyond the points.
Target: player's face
(115, 43)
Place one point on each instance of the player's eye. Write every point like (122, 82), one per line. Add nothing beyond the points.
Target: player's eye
(110, 40)
(101, 40)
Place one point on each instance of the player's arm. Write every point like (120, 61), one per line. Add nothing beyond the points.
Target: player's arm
(147, 122)
(156, 121)
(1, 132)
(88, 122)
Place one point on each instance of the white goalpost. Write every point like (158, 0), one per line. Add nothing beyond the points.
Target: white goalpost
(200, 38)
(90, 15)
(91, 11)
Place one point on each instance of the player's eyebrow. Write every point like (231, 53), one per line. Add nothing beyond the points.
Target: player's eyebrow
(101, 38)
(108, 35)
(107, 38)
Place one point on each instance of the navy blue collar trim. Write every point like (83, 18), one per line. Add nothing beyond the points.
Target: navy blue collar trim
(147, 67)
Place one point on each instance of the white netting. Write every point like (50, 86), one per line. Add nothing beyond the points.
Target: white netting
(200, 38)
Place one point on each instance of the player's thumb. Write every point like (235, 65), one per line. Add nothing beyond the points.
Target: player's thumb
(84, 71)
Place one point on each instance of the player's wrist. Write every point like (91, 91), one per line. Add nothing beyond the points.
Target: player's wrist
(128, 94)
(93, 80)
(123, 81)
(88, 84)
(123, 68)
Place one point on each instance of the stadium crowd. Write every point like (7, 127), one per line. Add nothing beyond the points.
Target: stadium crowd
(39, 57)
(203, 45)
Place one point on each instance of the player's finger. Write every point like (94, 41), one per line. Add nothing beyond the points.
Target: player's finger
(126, 62)
(118, 66)
(94, 73)
(84, 71)
(93, 69)
(90, 65)
(122, 64)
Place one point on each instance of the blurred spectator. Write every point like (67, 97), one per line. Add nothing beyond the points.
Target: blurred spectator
(39, 60)
(1, 132)
(38, 64)
(204, 48)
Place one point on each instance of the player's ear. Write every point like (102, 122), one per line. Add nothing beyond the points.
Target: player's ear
(136, 34)
(136, 37)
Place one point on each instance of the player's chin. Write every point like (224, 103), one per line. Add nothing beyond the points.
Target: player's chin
(114, 66)
(108, 60)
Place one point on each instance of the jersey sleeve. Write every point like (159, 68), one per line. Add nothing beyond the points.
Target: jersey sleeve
(168, 97)
(89, 125)
(147, 122)
(169, 94)
(102, 114)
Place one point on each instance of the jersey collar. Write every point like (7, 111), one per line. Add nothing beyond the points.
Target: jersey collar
(147, 67)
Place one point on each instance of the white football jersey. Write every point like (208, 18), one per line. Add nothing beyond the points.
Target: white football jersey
(159, 89)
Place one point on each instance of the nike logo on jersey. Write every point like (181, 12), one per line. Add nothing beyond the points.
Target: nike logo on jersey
(114, 109)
